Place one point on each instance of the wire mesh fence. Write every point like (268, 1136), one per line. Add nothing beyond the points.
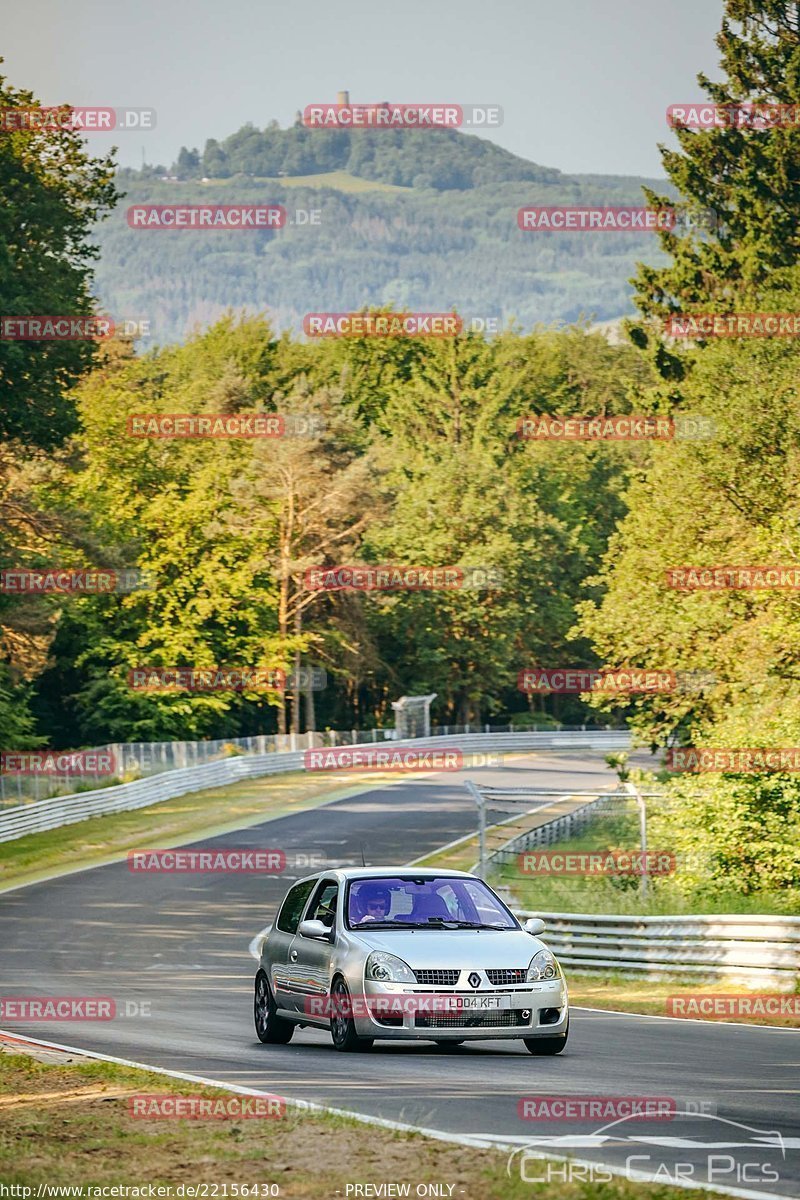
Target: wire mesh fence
(140, 760)
(512, 820)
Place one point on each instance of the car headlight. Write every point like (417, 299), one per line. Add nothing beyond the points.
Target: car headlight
(387, 968)
(543, 965)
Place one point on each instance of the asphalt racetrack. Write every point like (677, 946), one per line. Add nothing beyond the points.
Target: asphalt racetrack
(172, 950)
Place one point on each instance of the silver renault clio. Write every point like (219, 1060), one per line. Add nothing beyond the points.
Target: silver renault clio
(406, 953)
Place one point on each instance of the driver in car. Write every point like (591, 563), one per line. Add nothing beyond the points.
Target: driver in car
(374, 902)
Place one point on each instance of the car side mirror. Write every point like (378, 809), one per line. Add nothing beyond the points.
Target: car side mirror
(314, 929)
(533, 925)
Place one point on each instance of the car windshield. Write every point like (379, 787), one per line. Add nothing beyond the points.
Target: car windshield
(406, 901)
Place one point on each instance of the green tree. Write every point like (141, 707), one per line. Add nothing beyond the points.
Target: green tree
(53, 193)
(466, 492)
(168, 507)
(728, 499)
(748, 177)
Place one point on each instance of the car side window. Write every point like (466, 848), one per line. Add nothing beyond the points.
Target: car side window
(293, 905)
(323, 905)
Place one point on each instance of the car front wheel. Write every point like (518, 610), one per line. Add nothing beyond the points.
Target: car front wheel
(343, 1027)
(269, 1026)
(547, 1045)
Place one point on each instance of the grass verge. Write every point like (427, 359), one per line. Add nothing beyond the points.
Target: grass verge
(341, 181)
(68, 1124)
(649, 996)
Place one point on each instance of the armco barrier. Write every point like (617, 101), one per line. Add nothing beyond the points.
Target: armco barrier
(66, 810)
(124, 797)
(139, 760)
(566, 825)
(752, 951)
(749, 951)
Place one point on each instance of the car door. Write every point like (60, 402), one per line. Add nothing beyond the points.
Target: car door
(279, 942)
(310, 958)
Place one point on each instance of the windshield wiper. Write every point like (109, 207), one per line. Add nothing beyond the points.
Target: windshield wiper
(388, 925)
(464, 924)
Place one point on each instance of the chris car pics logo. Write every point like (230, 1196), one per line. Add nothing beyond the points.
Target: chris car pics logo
(699, 1149)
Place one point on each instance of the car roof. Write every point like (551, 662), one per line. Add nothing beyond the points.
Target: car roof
(345, 873)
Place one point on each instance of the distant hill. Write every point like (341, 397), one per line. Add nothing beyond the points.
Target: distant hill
(443, 159)
(420, 219)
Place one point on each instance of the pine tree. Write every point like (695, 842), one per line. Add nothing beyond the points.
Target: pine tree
(748, 177)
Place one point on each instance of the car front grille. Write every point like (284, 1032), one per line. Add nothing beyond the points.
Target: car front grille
(484, 1020)
(503, 978)
(438, 978)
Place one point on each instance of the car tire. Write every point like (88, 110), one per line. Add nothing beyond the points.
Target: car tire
(269, 1026)
(547, 1045)
(343, 1028)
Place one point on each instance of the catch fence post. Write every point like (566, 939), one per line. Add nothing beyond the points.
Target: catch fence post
(474, 791)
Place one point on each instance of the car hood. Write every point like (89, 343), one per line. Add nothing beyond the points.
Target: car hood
(454, 948)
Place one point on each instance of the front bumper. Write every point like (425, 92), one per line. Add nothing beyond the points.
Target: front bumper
(529, 1011)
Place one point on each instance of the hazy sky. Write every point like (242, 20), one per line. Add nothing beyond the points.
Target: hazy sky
(583, 83)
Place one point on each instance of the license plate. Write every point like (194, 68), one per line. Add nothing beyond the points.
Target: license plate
(478, 1003)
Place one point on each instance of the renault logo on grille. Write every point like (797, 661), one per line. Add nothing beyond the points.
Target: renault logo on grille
(474, 979)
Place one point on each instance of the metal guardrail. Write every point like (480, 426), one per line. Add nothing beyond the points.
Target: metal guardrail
(564, 826)
(66, 810)
(759, 951)
(749, 951)
(488, 796)
(138, 760)
(124, 797)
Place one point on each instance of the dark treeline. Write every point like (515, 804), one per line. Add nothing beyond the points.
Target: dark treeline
(416, 248)
(415, 461)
